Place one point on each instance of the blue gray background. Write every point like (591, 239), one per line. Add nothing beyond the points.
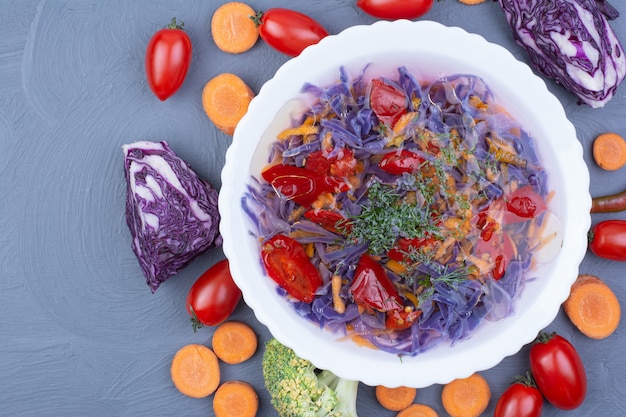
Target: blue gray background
(80, 332)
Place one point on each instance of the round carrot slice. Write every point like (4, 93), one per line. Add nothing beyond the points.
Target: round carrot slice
(235, 398)
(466, 397)
(609, 151)
(593, 307)
(232, 28)
(395, 399)
(418, 410)
(195, 371)
(234, 342)
(225, 99)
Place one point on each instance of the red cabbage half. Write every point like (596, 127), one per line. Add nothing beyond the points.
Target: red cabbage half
(171, 212)
(571, 42)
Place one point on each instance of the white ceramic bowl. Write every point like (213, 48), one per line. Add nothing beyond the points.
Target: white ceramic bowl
(388, 45)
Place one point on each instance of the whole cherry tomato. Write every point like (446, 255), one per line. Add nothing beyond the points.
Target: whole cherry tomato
(288, 31)
(372, 287)
(395, 9)
(288, 265)
(398, 163)
(213, 296)
(167, 60)
(558, 371)
(521, 399)
(387, 101)
(607, 239)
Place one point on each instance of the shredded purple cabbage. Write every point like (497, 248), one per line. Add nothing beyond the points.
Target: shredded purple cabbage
(172, 213)
(445, 109)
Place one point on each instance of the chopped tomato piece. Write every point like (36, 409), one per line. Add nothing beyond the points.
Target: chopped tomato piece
(288, 265)
(388, 102)
(401, 319)
(300, 184)
(372, 287)
(400, 162)
(329, 220)
(525, 203)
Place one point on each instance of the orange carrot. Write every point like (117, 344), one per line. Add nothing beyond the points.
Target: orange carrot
(593, 307)
(225, 99)
(195, 371)
(235, 399)
(466, 397)
(395, 399)
(609, 151)
(234, 342)
(232, 29)
(471, 2)
(418, 410)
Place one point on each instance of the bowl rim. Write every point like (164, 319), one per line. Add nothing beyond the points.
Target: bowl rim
(370, 366)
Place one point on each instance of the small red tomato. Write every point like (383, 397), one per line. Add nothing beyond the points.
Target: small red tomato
(395, 9)
(288, 265)
(387, 101)
(400, 162)
(521, 399)
(401, 319)
(558, 371)
(329, 220)
(213, 296)
(372, 287)
(167, 60)
(288, 31)
(607, 239)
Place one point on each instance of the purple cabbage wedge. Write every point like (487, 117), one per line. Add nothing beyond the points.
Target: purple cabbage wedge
(171, 212)
(571, 42)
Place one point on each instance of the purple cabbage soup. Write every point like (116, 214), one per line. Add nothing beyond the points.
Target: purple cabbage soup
(401, 212)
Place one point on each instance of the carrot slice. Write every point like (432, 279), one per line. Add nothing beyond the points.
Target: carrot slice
(235, 398)
(234, 342)
(195, 371)
(395, 399)
(466, 397)
(418, 410)
(609, 151)
(593, 307)
(232, 29)
(225, 99)
(472, 2)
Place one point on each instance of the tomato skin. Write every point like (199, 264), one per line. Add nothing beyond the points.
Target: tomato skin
(519, 400)
(400, 162)
(213, 296)
(329, 220)
(558, 371)
(288, 265)
(168, 56)
(288, 31)
(607, 239)
(524, 203)
(395, 9)
(387, 101)
(372, 287)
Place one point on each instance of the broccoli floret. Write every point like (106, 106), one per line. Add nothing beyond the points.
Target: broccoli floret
(299, 389)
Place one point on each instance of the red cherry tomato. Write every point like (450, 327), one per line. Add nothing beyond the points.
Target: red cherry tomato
(401, 319)
(521, 399)
(558, 371)
(167, 60)
(398, 163)
(403, 246)
(372, 287)
(213, 296)
(387, 101)
(607, 239)
(395, 9)
(288, 265)
(288, 31)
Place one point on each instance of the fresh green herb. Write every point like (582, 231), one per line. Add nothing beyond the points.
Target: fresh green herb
(387, 216)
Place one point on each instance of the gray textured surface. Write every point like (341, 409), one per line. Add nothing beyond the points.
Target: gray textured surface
(80, 332)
